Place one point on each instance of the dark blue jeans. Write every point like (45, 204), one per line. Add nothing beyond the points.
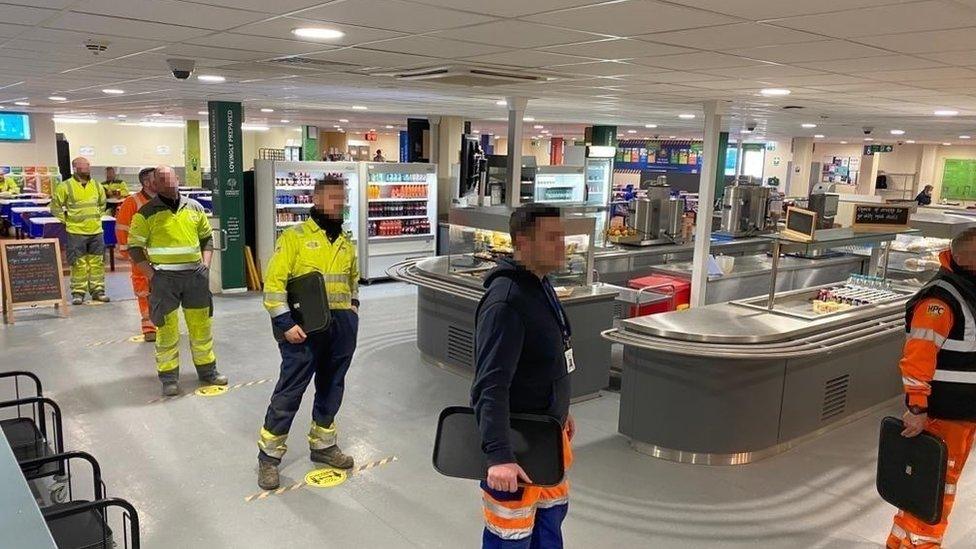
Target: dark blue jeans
(326, 357)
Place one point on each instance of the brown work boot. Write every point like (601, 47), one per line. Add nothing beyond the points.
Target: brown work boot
(149, 337)
(333, 457)
(268, 475)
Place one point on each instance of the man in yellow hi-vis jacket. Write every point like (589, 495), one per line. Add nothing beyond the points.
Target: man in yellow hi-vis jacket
(318, 244)
(171, 242)
(79, 202)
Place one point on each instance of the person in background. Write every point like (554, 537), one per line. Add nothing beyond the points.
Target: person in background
(924, 198)
(881, 182)
(318, 244)
(523, 353)
(123, 219)
(8, 184)
(114, 187)
(171, 243)
(378, 157)
(79, 202)
(939, 378)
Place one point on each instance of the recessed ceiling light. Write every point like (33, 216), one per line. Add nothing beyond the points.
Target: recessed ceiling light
(113, 91)
(343, 121)
(945, 112)
(359, 107)
(819, 136)
(57, 98)
(744, 130)
(211, 78)
(528, 119)
(75, 120)
(686, 116)
(808, 125)
(672, 136)
(337, 127)
(869, 139)
(774, 92)
(254, 128)
(389, 127)
(544, 131)
(122, 115)
(203, 113)
(947, 144)
(161, 124)
(910, 141)
(650, 126)
(631, 131)
(538, 126)
(317, 33)
(843, 142)
(267, 110)
(372, 130)
(22, 103)
(501, 103)
(897, 132)
(285, 121)
(964, 137)
(156, 114)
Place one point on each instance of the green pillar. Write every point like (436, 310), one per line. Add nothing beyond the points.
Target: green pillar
(191, 155)
(723, 152)
(310, 144)
(226, 165)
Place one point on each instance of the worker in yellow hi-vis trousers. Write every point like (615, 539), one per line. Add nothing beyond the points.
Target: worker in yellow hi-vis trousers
(79, 202)
(317, 245)
(171, 242)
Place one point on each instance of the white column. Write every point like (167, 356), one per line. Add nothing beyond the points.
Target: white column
(706, 202)
(802, 158)
(516, 111)
(925, 172)
(868, 176)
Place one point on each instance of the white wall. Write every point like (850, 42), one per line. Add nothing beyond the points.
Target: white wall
(941, 154)
(785, 156)
(540, 150)
(39, 151)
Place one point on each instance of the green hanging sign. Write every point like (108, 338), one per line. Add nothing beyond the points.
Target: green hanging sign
(226, 165)
(310, 144)
(191, 155)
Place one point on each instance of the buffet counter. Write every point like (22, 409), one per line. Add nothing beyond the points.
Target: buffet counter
(447, 301)
(732, 383)
(942, 223)
(619, 264)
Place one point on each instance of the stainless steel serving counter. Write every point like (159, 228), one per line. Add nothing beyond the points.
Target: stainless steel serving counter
(619, 264)
(447, 302)
(942, 223)
(732, 383)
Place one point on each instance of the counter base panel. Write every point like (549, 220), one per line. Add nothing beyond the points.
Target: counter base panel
(689, 408)
(445, 334)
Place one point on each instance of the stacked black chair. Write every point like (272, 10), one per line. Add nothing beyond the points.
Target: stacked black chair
(73, 523)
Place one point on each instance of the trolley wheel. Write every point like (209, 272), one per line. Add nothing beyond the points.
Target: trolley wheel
(59, 490)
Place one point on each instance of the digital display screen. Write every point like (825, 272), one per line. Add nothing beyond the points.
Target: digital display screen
(15, 126)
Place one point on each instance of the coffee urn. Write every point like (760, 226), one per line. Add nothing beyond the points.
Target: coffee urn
(656, 216)
(744, 208)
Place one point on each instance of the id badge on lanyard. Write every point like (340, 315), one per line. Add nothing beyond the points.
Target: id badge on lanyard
(564, 328)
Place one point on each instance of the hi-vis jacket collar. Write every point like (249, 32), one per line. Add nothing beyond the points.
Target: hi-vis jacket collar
(945, 258)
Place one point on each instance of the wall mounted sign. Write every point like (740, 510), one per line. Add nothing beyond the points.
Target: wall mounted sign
(119, 150)
(162, 150)
(875, 149)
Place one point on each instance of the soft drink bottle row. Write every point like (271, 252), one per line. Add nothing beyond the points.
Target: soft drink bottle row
(399, 227)
(397, 177)
(394, 209)
(292, 216)
(294, 199)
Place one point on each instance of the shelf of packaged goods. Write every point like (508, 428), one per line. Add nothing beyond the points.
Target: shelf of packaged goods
(391, 183)
(401, 236)
(288, 223)
(295, 188)
(398, 199)
(289, 206)
(398, 217)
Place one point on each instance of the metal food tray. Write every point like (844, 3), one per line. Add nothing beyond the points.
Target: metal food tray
(798, 304)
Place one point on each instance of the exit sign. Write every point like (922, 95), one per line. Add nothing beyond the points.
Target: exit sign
(874, 149)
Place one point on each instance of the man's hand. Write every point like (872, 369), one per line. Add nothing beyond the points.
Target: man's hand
(505, 477)
(355, 309)
(295, 335)
(914, 424)
(570, 427)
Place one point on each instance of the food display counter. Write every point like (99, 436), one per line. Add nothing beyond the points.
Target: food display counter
(731, 383)
(451, 286)
(942, 223)
(619, 264)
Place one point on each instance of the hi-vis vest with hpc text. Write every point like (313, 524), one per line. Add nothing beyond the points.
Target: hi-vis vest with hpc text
(954, 384)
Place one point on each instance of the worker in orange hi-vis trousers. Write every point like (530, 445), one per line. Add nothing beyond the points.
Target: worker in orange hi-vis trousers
(123, 217)
(938, 369)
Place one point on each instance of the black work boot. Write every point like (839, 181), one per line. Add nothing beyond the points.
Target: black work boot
(214, 378)
(77, 299)
(101, 297)
(171, 388)
(268, 475)
(333, 457)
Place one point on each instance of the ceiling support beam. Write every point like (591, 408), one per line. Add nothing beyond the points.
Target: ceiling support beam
(516, 111)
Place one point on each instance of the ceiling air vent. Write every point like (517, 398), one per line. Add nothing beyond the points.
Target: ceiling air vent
(308, 63)
(467, 76)
(791, 107)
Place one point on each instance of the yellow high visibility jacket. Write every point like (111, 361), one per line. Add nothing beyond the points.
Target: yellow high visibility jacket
(171, 238)
(117, 185)
(9, 185)
(79, 206)
(306, 248)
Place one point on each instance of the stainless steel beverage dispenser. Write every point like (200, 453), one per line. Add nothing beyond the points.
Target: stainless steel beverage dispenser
(744, 208)
(655, 214)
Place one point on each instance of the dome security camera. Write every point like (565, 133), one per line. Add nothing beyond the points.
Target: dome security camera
(182, 68)
(868, 130)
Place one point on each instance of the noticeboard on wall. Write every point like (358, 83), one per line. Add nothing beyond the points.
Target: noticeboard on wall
(959, 179)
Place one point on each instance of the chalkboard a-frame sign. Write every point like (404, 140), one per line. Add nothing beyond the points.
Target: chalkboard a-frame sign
(31, 275)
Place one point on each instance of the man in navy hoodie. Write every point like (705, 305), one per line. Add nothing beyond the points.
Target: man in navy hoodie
(523, 362)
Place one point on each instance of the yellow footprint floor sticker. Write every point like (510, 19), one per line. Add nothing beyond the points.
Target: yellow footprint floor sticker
(211, 390)
(325, 478)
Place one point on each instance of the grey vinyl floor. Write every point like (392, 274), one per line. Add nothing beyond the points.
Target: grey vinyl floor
(188, 464)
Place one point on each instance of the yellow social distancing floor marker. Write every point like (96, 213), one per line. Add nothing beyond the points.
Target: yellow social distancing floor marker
(322, 478)
(325, 478)
(141, 338)
(211, 390)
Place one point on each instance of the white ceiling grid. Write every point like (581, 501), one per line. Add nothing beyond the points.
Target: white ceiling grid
(850, 63)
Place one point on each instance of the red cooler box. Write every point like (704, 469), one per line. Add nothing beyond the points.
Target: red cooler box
(661, 284)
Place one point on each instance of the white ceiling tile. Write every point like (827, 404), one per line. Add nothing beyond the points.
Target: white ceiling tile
(372, 58)
(921, 75)
(822, 79)
(912, 17)
(764, 71)
(71, 41)
(695, 61)
(434, 47)
(729, 84)
(509, 8)
(864, 87)
(926, 42)
(616, 48)
(114, 26)
(193, 51)
(517, 34)
(808, 51)
(737, 35)
(631, 18)
(393, 14)
(24, 15)
(523, 58)
(758, 10)
(276, 7)
(600, 68)
(961, 58)
(281, 28)
(949, 84)
(670, 77)
(880, 63)
(173, 12)
(258, 44)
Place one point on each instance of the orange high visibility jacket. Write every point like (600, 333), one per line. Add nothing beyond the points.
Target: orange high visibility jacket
(938, 365)
(123, 218)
